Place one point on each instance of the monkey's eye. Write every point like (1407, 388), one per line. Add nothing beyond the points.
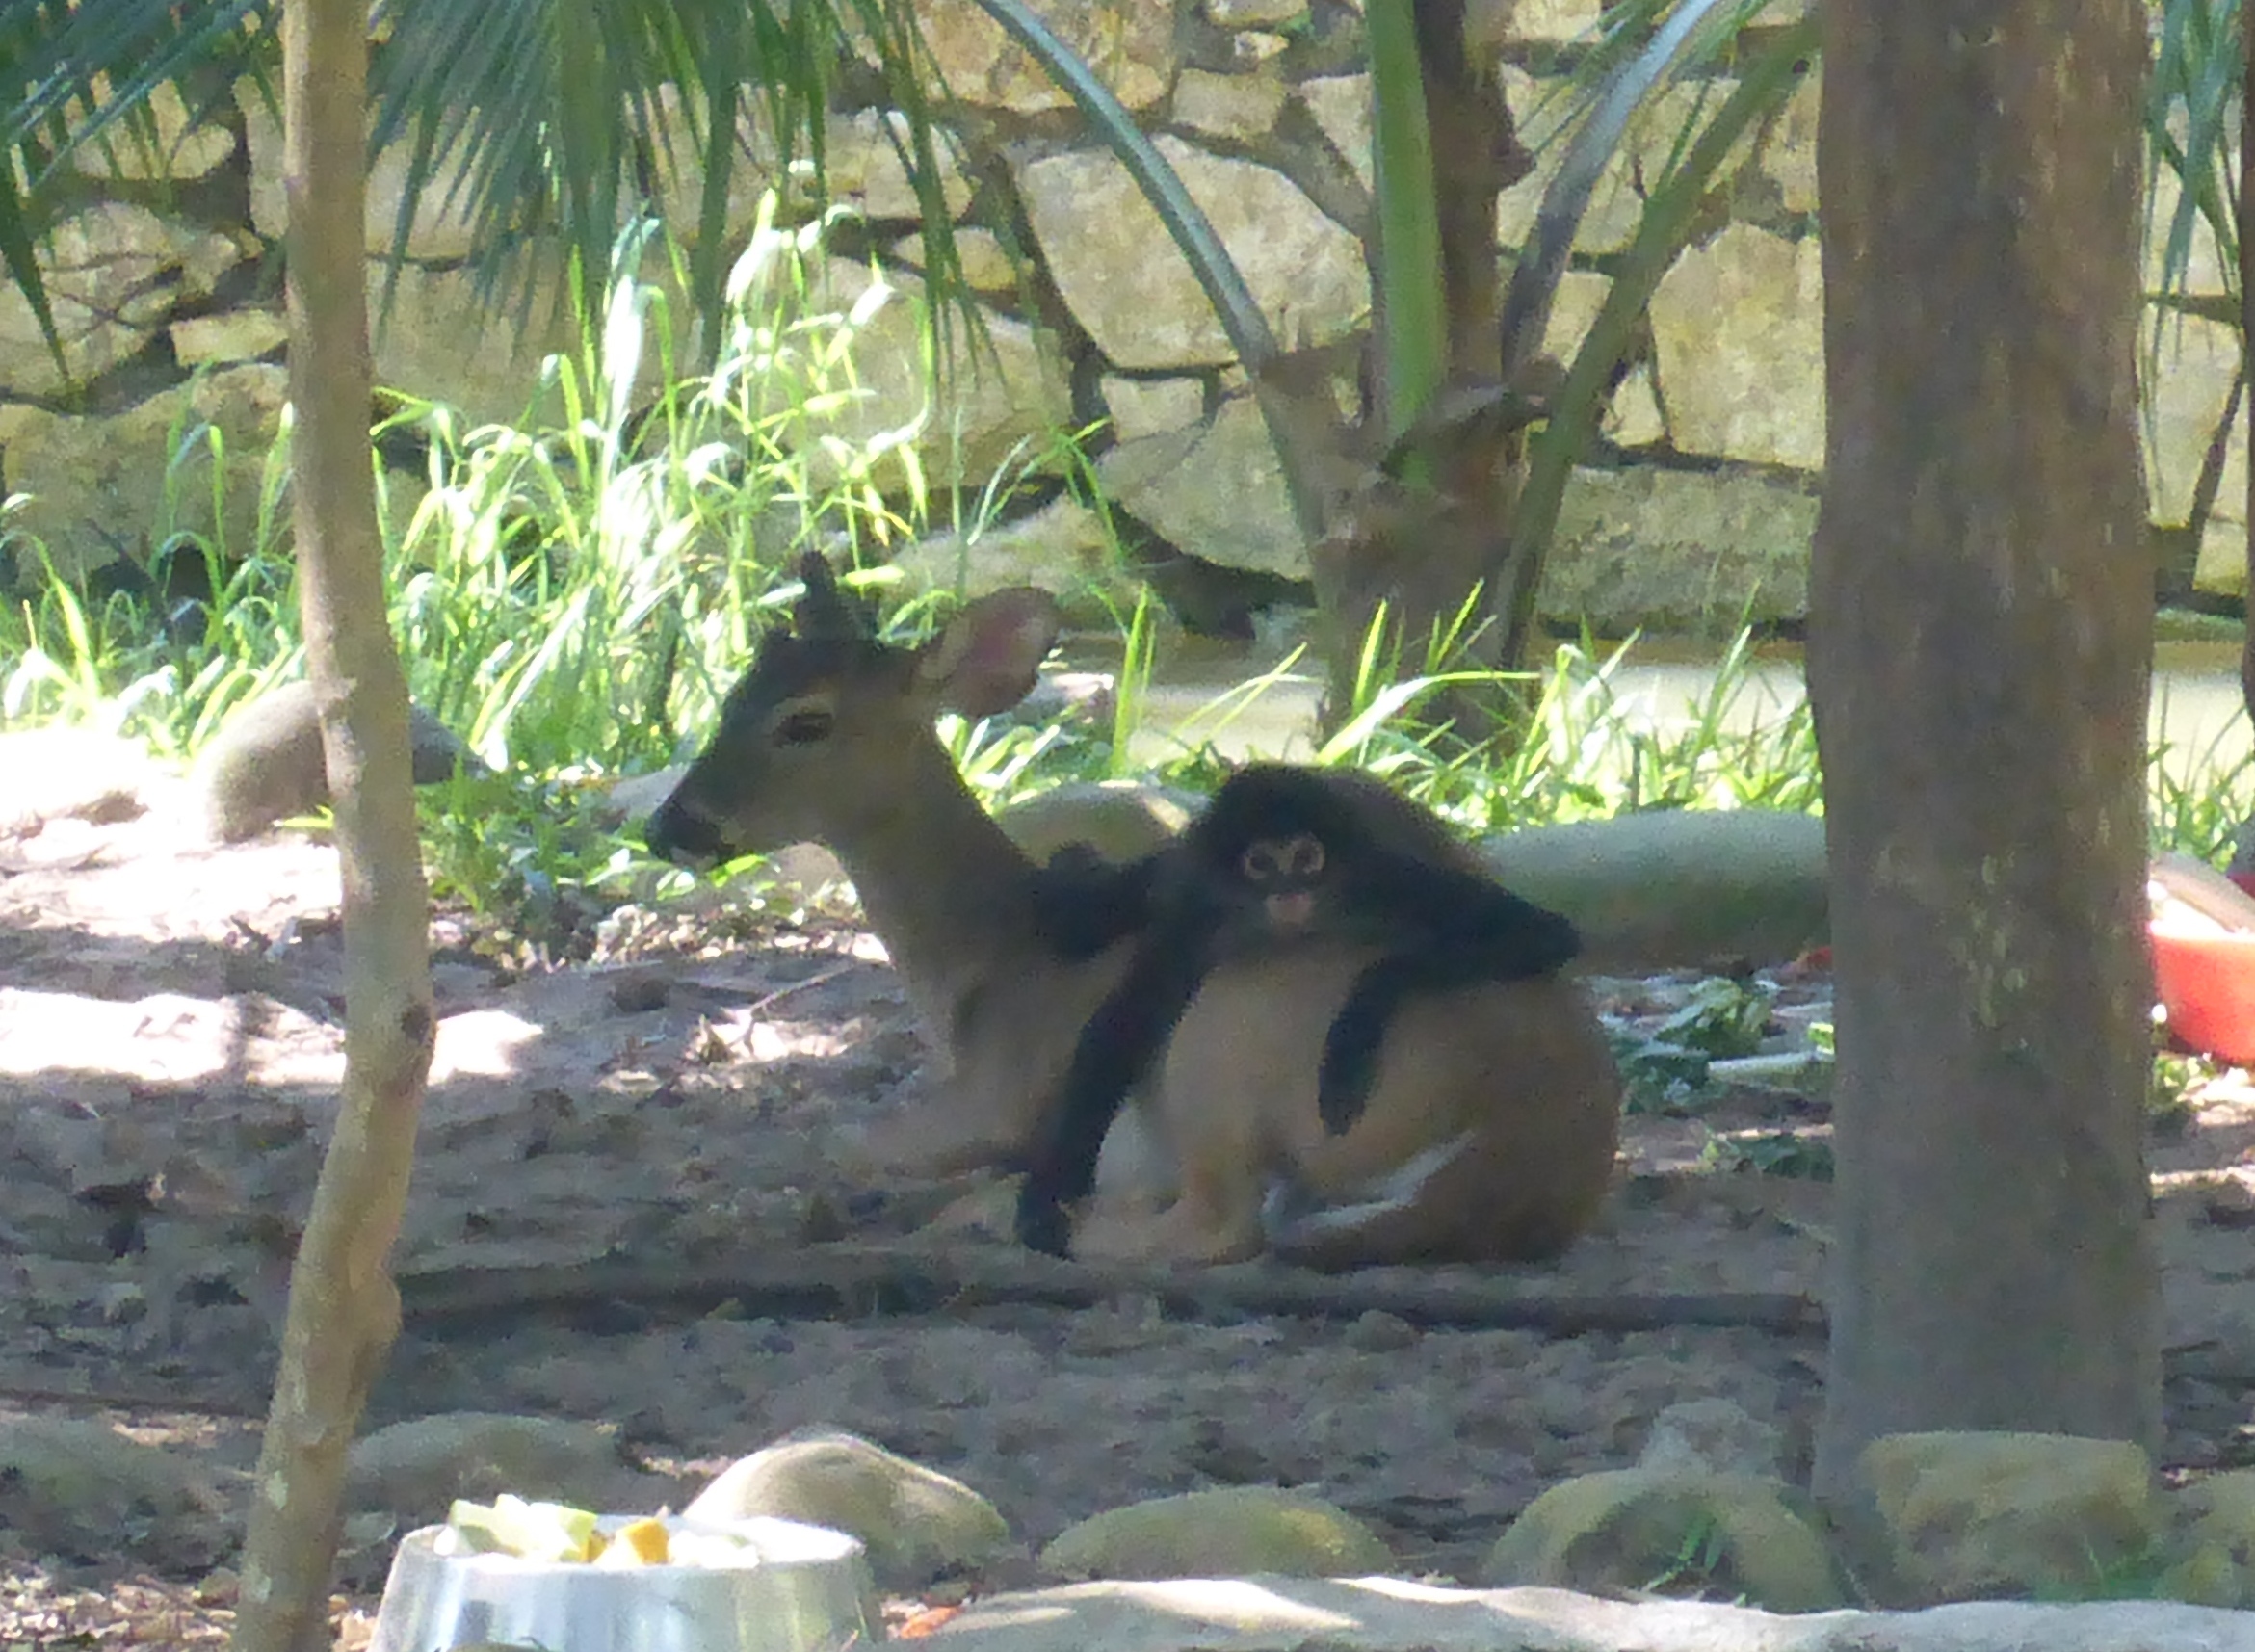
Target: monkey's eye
(804, 727)
(1303, 858)
(1260, 863)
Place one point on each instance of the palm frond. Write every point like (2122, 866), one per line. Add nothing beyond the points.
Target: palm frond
(555, 122)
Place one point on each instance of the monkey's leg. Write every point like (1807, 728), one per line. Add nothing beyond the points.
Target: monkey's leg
(1358, 1032)
(1116, 1049)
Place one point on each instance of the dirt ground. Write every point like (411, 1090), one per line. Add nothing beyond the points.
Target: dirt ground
(669, 1105)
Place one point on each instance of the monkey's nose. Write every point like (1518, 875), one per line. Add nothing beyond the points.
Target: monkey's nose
(1294, 909)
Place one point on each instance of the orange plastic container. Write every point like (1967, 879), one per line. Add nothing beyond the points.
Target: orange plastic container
(2207, 985)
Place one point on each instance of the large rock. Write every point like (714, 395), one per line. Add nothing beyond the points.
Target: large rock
(114, 275)
(77, 1489)
(1738, 328)
(267, 762)
(1127, 284)
(1966, 1514)
(1609, 222)
(1340, 104)
(110, 472)
(416, 1468)
(1678, 550)
(183, 149)
(2223, 557)
(918, 1524)
(1214, 491)
(1547, 19)
(60, 772)
(439, 336)
(1129, 45)
(1122, 819)
(1221, 1534)
(2187, 402)
(1394, 1615)
(1237, 107)
(1679, 888)
(1789, 149)
(437, 230)
(995, 401)
(1062, 547)
(2214, 1541)
(861, 163)
(1633, 1527)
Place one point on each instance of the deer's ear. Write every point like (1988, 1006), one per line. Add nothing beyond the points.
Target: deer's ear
(985, 660)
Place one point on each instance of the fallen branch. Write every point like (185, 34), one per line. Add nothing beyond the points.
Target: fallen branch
(140, 1399)
(841, 1280)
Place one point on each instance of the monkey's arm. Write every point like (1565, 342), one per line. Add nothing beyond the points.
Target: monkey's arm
(1113, 1052)
(1503, 936)
(1084, 903)
(1461, 928)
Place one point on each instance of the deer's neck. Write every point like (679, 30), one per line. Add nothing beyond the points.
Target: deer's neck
(944, 887)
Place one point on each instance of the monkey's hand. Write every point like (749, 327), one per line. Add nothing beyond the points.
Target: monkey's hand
(1084, 903)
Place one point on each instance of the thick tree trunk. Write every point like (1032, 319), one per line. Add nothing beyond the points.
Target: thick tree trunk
(344, 1310)
(1979, 654)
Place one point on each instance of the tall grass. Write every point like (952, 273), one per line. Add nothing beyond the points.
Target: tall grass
(574, 590)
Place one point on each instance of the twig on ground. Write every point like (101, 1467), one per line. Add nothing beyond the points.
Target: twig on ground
(858, 1280)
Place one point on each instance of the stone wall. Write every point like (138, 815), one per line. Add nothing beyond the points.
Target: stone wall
(1698, 503)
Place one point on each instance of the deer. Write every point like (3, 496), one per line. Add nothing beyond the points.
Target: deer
(1492, 1120)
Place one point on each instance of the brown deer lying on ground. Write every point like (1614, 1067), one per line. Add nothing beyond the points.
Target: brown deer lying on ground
(1493, 1115)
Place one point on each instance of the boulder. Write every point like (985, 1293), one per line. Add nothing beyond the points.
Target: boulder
(1132, 289)
(918, 1524)
(416, 1468)
(1964, 1515)
(267, 764)
(1641, 1529)
(1678, 888)
(1221, 1534)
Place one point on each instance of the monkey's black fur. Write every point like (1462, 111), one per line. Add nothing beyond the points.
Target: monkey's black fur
(1383, 871)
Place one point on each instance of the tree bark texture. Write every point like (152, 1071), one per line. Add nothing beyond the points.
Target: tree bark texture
(1422, 546)
(344, 1310)
(1979, 662)
(2247, 314)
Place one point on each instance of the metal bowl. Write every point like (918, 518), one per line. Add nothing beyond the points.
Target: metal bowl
(797, 1589)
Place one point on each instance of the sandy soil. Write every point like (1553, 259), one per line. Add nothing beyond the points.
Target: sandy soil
(170, 1043)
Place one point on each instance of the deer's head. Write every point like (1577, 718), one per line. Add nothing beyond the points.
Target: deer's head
(830, 725)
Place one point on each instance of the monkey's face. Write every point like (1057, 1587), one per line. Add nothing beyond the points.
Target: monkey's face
(1284, 873)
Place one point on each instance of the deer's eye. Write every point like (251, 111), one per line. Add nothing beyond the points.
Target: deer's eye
(804, 727)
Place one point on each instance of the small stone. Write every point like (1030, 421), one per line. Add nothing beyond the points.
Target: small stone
(1377, 1333)
(916, 1522)
(1716, 1436)
(1221, 1534)
(637, 991)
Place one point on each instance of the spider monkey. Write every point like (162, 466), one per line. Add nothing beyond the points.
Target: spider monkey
(1282, 854)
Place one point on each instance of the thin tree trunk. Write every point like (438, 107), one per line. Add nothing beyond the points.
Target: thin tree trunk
(1424, 543)
(344, 1310)
(1978, 663)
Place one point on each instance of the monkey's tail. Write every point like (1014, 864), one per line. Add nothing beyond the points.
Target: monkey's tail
(1331, 1237)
